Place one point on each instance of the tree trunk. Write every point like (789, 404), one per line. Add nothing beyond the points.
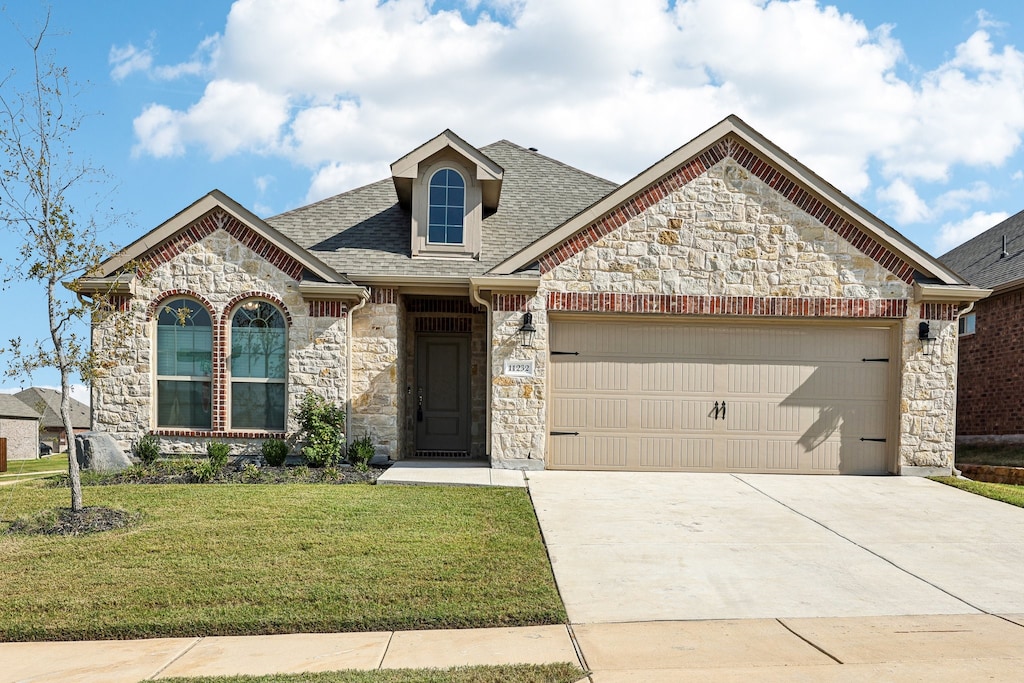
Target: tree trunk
(73, 472)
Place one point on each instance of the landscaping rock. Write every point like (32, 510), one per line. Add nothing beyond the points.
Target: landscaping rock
(99, 452)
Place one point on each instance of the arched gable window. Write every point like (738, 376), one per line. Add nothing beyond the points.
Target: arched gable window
(258, 363)
(447, 207)
(184, 355)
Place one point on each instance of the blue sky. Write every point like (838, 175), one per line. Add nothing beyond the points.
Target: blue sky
(915, 109)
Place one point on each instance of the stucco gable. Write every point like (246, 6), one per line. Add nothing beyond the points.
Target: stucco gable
(733, 139)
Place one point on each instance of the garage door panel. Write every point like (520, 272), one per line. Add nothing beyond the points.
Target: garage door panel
(798, 399)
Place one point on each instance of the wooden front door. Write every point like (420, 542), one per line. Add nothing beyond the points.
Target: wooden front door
(442, 395)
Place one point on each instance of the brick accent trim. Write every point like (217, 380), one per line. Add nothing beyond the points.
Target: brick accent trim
(215, 434)
(440, 305)
(939, 311)
(383, 295)
(757, 166)
(220, 220)
(327, 309)
(510, 302)
(807, 307)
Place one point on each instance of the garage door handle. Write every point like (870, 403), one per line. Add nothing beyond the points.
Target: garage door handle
(723, 410)
(864, 438)
(564, 433)
(716, 411)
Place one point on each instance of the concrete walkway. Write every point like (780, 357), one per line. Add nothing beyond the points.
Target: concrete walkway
(451, 473)
(979, 637)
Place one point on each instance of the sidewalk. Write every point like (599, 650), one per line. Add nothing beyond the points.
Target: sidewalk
(868, 649)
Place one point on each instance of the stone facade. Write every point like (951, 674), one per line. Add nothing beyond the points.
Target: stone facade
(22, 438)
(725, 242)
(375, 370)
(217, 271)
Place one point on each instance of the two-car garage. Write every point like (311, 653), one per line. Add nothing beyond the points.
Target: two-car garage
(637, 394)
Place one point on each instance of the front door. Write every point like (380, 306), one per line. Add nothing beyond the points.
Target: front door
(442, 395)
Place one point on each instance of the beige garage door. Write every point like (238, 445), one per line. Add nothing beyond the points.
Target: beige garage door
(637, 395)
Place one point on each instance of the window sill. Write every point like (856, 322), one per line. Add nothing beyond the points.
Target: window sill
(211, 434)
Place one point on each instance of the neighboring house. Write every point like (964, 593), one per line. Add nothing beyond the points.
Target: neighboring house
(47, 403)
(990, 405)
(19, 428)
(725, 310)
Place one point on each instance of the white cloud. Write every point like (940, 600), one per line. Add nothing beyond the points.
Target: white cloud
(79, 392)
(953, 234)
(344, 88)
(128, 60)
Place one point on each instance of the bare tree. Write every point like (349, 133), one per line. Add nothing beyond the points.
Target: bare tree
(40, 182)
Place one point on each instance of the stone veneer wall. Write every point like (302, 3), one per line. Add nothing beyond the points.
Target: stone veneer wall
(220, 271)
(375, 371)
(725, 243)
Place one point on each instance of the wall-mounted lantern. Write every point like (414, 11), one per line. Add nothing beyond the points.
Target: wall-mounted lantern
(527, 331)
(926, 336)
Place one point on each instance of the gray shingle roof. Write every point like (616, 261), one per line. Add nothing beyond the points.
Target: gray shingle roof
(47, 403)
(980, 261)
(11, 407)
(365, 232)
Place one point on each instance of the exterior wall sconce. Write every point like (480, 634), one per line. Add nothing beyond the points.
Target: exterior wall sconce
(926, 336)
(527, 331)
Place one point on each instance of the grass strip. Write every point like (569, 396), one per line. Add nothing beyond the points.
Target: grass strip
(510, 673)
(17, 468)
(1007, 493)
(261, 559)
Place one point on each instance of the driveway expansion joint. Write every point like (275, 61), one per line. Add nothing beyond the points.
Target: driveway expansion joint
(576, 646)
(817, 647)
(179, 656)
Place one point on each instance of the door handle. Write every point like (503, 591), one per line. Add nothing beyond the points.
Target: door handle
(419, 404)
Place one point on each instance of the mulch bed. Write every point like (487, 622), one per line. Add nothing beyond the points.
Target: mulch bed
(65, 522)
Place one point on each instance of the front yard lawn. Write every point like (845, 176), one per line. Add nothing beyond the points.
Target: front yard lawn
(251, 559)
(1007, 493)
(17, 469)
(509, 673)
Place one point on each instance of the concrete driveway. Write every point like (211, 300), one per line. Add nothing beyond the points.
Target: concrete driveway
(680, 546)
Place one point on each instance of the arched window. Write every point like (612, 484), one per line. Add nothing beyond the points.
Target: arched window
(184, 355)
(258, 361)
(447, 207)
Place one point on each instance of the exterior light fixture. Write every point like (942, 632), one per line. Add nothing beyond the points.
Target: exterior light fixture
(251, 305)
(527, 331)
(926, 337)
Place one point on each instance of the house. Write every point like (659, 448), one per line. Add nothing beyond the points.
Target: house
(46, 402)
(724, 310)
(990, 404)
(19, 429)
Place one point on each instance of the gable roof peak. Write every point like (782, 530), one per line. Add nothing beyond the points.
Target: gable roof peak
(406, 170)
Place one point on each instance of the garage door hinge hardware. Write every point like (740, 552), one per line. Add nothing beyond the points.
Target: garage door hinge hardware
(565, 353)
(564, 433)
(864, 438)
(875, 360)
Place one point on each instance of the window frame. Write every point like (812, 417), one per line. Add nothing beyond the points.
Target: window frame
(229, 377)
(447, 207)
(209, 379)
(967, 325)
(472, 212)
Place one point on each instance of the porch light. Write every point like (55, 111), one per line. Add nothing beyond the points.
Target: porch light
(527, 331)
(251, 305)
(926, 336)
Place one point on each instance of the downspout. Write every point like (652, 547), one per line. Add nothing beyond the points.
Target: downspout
(363, 298)
(474, 292)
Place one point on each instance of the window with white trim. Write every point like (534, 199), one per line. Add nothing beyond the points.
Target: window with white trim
(258, 364)
(446, 210)
(966, 324)
(184, 355)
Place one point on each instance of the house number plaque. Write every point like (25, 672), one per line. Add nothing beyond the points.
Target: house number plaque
(519, 368)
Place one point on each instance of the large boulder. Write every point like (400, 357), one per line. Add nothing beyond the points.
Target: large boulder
(97, 451)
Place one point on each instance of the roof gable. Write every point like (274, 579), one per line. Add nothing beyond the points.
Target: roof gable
(12, 408)
(212, 212)
(487, 172)
(733, 138)
(47, 402)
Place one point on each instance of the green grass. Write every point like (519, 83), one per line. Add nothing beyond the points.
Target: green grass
(17, 468)
(1007, 493)
(250, 559)
(517, 673)
(1004, 455)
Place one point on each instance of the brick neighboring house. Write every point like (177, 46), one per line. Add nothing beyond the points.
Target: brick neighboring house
(19, 425)
(724, 310)
(989, 399)
(47, 403)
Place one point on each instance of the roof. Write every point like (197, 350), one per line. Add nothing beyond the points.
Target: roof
(11, 407)
(980, 260)
(366, 232)
(47, 403)
(789, 166)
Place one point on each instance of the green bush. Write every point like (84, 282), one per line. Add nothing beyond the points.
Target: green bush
(204, 471)
(320, 430)
(275, 451)
(147, 449)
(218, 453)
(361, 452)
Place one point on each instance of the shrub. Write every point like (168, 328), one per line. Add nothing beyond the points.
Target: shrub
(361, 452)
(320, 430)
(204, 471)
(147, 449)
(274, 452)
(250, 472)
(218, 453)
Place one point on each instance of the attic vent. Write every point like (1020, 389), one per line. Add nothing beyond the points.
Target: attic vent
(1004, 253)
(532, 149)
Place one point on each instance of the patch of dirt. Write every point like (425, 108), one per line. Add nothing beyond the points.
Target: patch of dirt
(65, 522)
